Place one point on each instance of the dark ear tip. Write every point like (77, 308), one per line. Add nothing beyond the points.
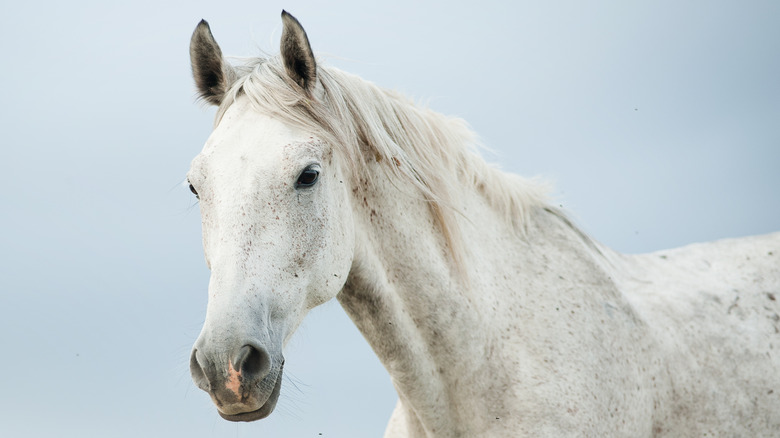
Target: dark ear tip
(202, 32)
(286, 17)
(202, 24)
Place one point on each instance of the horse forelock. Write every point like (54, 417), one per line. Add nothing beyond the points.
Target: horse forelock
(365, 123)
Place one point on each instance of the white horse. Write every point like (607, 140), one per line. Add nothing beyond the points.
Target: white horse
(493, 314)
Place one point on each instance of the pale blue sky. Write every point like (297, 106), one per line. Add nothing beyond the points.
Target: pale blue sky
(659, 121)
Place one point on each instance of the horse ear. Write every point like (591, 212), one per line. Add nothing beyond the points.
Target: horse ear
(212, 74)
(297, 55)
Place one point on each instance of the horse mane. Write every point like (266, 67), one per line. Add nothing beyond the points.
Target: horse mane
(366, 123)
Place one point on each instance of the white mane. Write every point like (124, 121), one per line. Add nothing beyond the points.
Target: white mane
(366, 123)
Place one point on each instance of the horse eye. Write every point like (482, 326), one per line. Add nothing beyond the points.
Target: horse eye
(194, 192)
(307, 178)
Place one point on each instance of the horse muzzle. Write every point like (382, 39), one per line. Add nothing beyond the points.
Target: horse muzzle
(244, 386)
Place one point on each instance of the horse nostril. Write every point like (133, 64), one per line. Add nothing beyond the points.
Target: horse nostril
(197, 371)
(252, 362)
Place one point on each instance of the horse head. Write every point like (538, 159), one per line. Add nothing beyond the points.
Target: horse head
(277, 231)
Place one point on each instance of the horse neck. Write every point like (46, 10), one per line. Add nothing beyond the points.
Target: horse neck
(403, 295)
(435, 333)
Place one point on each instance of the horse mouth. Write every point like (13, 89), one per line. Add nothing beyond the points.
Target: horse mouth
(264, 410)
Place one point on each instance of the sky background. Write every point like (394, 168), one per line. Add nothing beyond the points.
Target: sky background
(658, 121)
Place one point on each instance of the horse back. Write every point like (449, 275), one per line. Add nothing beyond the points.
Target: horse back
(713, 311)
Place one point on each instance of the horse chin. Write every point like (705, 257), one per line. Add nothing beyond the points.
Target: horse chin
(264, 410)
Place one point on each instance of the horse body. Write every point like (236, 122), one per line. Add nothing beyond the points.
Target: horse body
(493, 314)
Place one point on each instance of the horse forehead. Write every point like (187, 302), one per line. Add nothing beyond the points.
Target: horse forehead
(245, 135)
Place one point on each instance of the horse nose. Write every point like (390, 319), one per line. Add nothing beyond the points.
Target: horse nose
(252, 362)
(248, 363)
